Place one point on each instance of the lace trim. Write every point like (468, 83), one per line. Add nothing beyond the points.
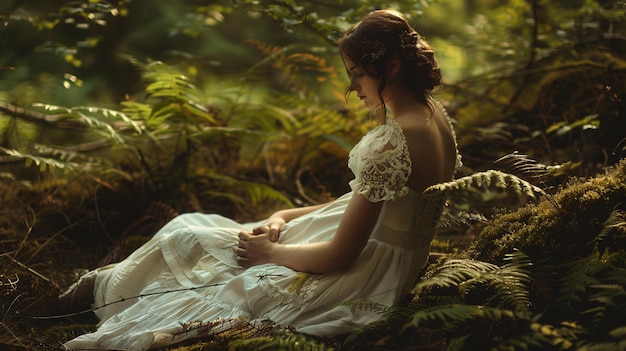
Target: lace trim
(381, 163)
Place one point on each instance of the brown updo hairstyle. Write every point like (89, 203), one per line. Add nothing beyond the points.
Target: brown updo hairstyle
(386, 35)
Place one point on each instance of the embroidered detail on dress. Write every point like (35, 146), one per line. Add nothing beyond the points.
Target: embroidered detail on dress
(381, 163)
(360, 306)
(299, 291)
(182, 244)
(299, 282)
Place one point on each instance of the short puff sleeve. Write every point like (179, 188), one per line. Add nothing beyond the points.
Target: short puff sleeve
(381, 164)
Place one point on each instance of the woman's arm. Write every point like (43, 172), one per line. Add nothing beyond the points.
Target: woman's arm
(332, 256)
(291, 213)
(274, 224)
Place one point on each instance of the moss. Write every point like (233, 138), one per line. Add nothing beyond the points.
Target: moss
(566, 224)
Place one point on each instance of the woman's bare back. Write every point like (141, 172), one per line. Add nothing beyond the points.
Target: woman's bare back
(431, 146)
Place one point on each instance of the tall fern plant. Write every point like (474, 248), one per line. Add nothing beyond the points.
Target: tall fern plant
(461, 304)
(195, 143)
(227, 141)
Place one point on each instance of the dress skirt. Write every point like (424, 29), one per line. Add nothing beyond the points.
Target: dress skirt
(187, 276)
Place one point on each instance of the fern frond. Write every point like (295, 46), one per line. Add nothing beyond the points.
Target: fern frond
(489, 182)
(577, 276)
(208, 134)
(105, 121)
(459, 313)
(457, 343)
(540, 337)
(177, 96)
(523, 166)
(222, 186)
(260, 192)
(510, 284)
(262, 115)
(605, 302)
(263, 47)
(481, 282)
(452, 273)
(615, 222)
(44, 163)
(609, 300)
(458, 219)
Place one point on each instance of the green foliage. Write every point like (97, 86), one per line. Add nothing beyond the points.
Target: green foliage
(555, 88)
(560, 287)
(472, 199)
(45, 163)
(325, 18)
(100, 120)
(473, 191)
(238, 119)
(566, 224)
(454, 303)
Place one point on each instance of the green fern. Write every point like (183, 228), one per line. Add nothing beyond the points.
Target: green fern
(523, 166)
(216, 186)
(575, 277)
(455, 298)
(451, 273)
(105, 121)
(176, 97)
(613, 230)
(489, 183)
(458, 219)
(539, 337)
(459, 313)
(605, 307)
(45, 163)
(365, 305)
(507, 285)
(457, 343)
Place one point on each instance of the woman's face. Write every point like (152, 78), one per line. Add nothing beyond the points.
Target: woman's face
(365, 86)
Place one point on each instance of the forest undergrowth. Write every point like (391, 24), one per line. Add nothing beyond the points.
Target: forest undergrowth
(547, 276)
(530, 248)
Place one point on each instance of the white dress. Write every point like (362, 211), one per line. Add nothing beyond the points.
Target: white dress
(188, 277)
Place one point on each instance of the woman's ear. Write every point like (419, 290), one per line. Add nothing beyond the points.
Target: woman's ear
(394, 68)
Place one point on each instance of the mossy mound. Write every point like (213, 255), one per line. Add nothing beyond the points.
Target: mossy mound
(568, 224)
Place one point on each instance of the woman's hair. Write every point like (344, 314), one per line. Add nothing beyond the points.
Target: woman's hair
(383, 36)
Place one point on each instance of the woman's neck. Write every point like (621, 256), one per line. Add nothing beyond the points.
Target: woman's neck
(403, 104)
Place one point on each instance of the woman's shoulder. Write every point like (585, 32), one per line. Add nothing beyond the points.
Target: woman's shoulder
(432, 147)
(417, 127)
(383, 137)
(424, 122)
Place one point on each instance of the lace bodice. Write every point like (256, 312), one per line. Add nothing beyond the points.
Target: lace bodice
(381, 163)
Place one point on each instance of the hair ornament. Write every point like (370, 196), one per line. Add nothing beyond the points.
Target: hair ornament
(410, 40)
(373, 50)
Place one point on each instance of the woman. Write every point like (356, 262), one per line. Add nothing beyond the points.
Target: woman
(311, 268)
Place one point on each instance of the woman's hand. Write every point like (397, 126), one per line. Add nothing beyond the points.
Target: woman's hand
(254, 249)
(271, 227)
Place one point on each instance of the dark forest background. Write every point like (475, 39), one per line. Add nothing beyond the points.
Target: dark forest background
(115, 116)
